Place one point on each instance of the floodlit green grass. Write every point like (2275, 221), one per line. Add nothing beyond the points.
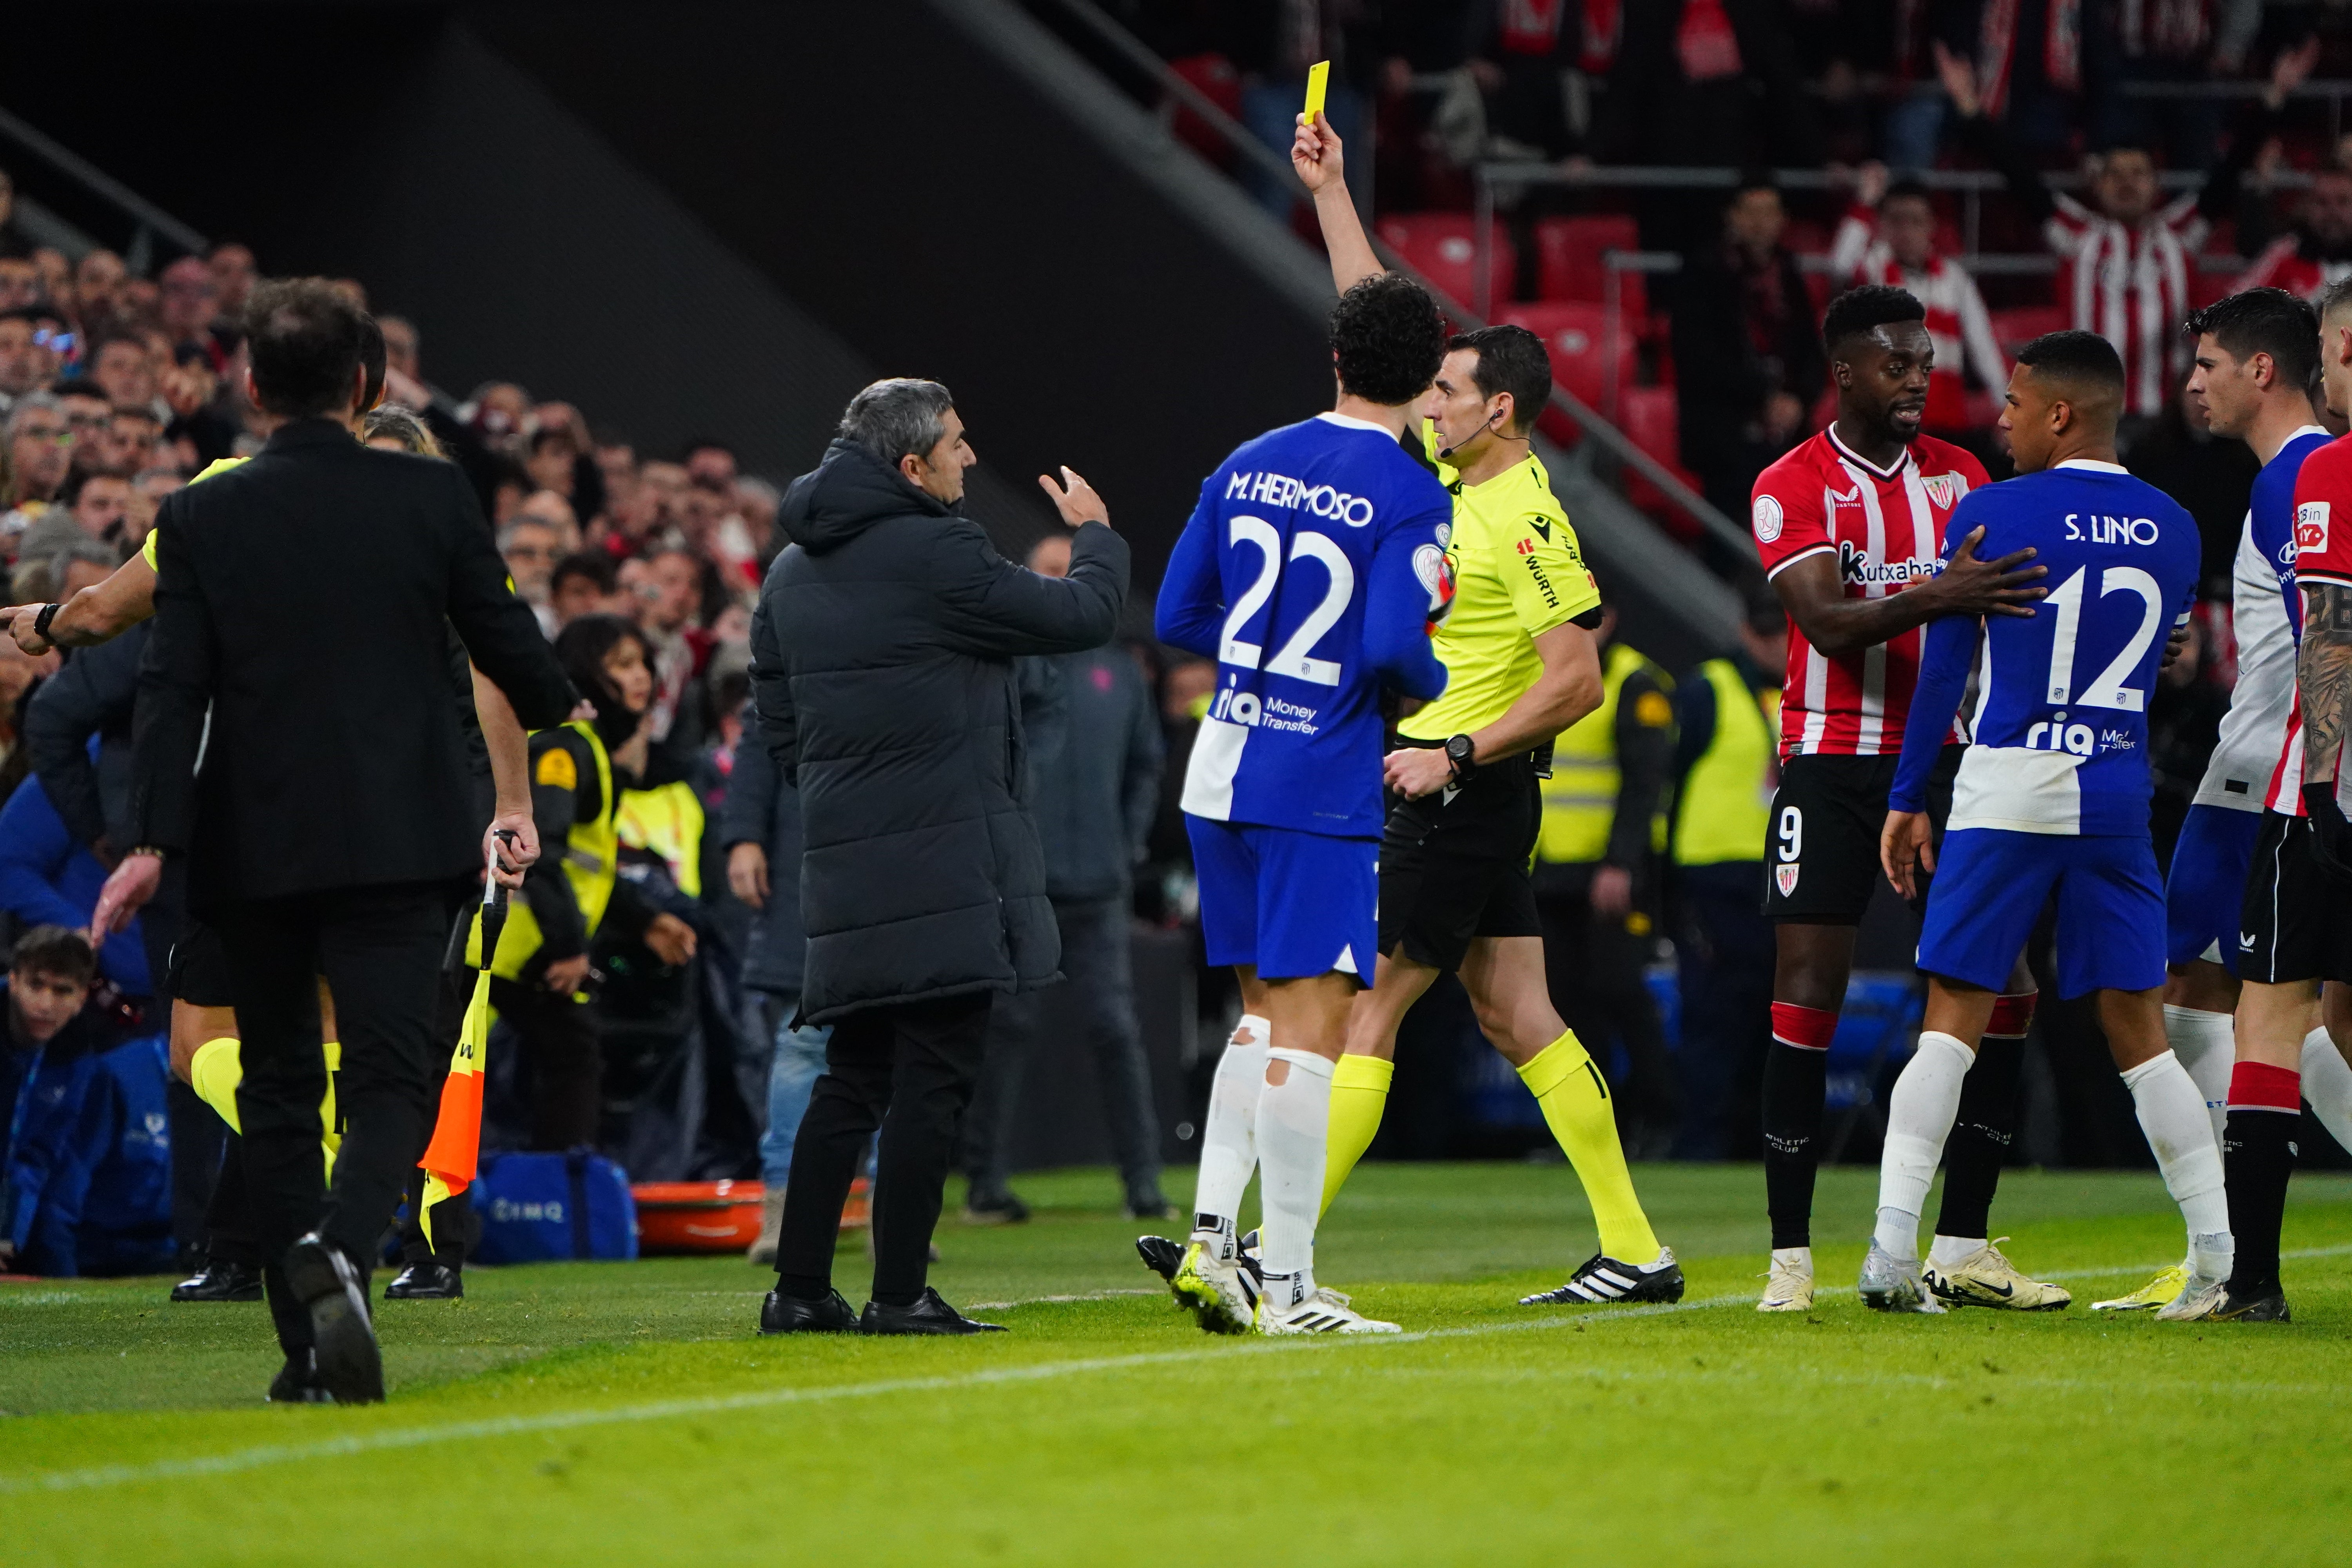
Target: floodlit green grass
(628, 1414)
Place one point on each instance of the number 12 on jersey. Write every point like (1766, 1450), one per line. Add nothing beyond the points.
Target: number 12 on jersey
(2108, 690)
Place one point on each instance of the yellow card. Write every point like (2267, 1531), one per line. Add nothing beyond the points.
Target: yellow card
(1317, 74)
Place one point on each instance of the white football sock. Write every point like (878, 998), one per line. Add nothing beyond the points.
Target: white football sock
(1229, 1139)
(2185, 1153)
(1294, 1119)
(1946, 1251)
(2327, 1085)
(1919, 1116)
(2207, 1045)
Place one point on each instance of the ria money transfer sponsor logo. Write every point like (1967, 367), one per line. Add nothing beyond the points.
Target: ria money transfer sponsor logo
(1258, 713)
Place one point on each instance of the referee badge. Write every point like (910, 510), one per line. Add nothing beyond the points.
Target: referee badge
(1786, 877)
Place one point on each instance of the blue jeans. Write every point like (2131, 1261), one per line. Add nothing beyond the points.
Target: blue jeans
(792, 1074)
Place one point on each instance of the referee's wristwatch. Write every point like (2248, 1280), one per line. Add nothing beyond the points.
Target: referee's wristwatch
(1461, 756)
(41, 622)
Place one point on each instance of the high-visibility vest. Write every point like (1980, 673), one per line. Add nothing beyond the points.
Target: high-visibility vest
(668, 821)
(592, 859)
(1725, 809)
(1580, 799)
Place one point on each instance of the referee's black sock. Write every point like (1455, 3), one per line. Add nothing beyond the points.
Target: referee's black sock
(1980, 1137)
(2258, 1156)
(1796, 1076)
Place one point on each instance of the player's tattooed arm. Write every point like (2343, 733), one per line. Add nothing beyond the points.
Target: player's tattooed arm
(2323, 670)
(1814, 596)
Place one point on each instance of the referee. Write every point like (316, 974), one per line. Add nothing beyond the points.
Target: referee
(1522, 665)
(331, 827)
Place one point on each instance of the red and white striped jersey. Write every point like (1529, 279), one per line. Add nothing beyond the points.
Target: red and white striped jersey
(2282, 265)
(2322, 553)
(1886, 528)
(1957, 322)
(2130, 285)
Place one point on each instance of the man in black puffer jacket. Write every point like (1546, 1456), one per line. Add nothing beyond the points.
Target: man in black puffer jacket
(882, 669)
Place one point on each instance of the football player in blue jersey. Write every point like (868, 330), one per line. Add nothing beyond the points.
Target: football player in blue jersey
(1307, 572)
(2051, 800)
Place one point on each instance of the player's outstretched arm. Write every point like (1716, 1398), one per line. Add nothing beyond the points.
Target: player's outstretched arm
(1949, 652)
(1812, 594)
(1315, 153)
(99, 611)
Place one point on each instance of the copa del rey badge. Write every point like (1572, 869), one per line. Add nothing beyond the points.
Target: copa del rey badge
(1786, 876)
(1944, 490)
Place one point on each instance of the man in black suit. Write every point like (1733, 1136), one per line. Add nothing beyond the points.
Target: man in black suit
(331, 826)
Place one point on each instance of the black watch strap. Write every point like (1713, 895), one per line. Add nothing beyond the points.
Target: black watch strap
(41, 622)
(1461, 753)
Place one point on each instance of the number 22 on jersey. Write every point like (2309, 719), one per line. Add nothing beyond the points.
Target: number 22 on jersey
(1295, 656)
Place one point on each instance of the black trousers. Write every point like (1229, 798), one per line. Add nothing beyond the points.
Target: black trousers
(556, 1038)
(1726, 990)
(907, 1069)
(231, 1235)
(379, 950)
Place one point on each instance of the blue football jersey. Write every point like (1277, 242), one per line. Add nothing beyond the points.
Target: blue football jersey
(1306, 573)
(2059, 737)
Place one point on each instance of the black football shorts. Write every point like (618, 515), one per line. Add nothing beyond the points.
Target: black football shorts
(2296, 924)
(1455, 865)
(1821, 850)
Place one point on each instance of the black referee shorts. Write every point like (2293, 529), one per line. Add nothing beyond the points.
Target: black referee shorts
(1821, 853)
(1454, 865)
(2296, 924)
(198, 973)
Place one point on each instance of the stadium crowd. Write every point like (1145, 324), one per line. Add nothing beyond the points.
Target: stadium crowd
(116, 389)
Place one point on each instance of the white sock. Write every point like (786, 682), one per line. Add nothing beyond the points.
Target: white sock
(2207, 1045)
(1946, 1251)
(1795, 1257)
(2327, 1085)
(1919, 1116)
(1294, 1120)
(1229, 1140)
(2185, 1153)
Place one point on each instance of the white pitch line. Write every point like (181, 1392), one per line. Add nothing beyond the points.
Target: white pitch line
(204, 1465)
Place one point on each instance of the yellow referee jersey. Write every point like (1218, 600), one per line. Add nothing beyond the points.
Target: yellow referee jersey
(1517, 574)
(217, 466)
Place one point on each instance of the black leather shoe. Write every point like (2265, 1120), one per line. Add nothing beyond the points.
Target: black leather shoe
(929, 1315)
(349, 1365)
(783, 1314)
(220, 1282)
(297, 1382)
(426, 1281)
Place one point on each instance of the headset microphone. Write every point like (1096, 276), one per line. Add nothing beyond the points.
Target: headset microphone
(1445, 452)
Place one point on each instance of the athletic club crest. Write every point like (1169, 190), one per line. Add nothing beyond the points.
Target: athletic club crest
(1786, 877)
(1944, 490)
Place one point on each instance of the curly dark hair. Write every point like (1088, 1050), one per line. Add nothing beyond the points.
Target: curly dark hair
(1388, 339)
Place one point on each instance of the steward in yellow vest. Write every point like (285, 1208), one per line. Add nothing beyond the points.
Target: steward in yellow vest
(539, 975)
(1604, 827)
(1725, 764)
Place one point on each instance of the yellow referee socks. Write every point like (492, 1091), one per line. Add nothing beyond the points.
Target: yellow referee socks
(1575, 1101)
(1359, 1092)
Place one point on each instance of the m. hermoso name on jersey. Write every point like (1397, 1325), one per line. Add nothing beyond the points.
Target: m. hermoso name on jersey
(1317, 500)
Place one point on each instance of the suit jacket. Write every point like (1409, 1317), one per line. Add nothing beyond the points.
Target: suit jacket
(304, 597)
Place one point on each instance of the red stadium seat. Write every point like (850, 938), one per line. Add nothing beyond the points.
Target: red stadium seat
(1568, 253)
(2015, 328)
(1443, 248)
(1650, 420)
(1577, 336)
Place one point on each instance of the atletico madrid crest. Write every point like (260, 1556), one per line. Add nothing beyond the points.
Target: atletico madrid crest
(1786, 876)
